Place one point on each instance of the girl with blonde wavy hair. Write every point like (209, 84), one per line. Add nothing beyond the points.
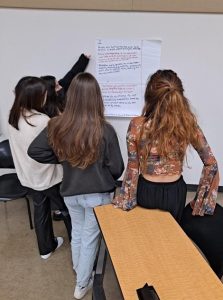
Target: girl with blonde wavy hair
(157, 142)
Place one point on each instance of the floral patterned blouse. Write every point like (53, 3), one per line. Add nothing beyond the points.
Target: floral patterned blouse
(205, 198)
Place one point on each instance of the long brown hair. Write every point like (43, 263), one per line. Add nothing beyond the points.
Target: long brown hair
(77, 133)
(169, 124)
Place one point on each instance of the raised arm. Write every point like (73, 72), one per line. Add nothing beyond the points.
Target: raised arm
(205, 198)
(78, 67)
(41, 151)
(127, 197)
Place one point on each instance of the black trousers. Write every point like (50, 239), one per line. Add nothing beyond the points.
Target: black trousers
(43, 220)
(57, 203)
(170, 196)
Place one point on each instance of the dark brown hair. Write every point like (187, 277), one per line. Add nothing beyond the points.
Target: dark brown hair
(172, 125)
(77, 133)
(30, 94)
(54, 104)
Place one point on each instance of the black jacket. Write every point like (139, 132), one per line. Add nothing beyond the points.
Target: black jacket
(78, 67)
(99, 177)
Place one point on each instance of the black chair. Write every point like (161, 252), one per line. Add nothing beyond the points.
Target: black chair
(10, 187)
(206, 233)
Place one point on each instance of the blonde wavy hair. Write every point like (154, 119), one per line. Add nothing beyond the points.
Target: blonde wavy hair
(169, 125)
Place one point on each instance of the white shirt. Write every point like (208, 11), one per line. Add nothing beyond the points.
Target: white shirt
(31, 173)
(2, 137)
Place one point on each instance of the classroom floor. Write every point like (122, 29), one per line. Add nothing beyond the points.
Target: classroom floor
(24, 275)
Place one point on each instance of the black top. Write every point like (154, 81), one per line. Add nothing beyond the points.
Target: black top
(100, 177)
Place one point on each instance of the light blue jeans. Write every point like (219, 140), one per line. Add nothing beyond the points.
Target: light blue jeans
(85, 232)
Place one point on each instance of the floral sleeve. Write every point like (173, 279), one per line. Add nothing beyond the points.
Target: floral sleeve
(205, 198)
(126, 199)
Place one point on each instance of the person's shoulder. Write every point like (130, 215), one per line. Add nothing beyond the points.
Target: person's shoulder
(39, 119)
(40, 116)
(109, 129)
(137, 121)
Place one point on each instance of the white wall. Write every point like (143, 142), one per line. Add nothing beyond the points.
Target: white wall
(40, 42)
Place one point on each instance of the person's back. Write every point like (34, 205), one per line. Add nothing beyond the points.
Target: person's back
(26, 120)
(99, 176)
(157, 143)
(88, 148)
(167, 167)
(31, 173)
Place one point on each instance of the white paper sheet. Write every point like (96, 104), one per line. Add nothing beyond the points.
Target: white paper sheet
(122, 69)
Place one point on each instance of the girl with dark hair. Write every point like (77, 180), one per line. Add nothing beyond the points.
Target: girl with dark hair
(26, 121)
(56, 90)
(88, 149)
(55, 104)
(157, 143)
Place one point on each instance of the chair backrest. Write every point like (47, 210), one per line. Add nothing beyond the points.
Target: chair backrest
(6, 160)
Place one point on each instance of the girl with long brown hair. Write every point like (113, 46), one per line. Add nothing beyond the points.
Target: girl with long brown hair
(55, 104)
(88, 149)
(157, 143)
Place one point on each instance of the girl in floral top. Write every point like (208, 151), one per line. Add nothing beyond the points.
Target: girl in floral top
(157, 142)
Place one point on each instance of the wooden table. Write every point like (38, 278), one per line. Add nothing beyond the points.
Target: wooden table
(149, 246)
